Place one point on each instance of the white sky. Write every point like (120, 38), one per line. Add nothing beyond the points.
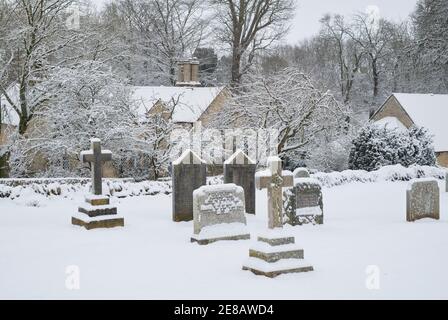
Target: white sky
(309, 12)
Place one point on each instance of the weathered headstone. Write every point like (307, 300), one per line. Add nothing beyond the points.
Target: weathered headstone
(446, 181)
(240, 170)
(304, 202)
(189, 173)
(301, 173)
(97, 211)
(422, 200)
(275, 252)
(219, 214)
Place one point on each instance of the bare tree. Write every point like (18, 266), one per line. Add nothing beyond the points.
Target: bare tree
(372, 35)
(168, 30)
(431, 28)
(348, 52)
(290, 103)
(36, 39)
(251, 25)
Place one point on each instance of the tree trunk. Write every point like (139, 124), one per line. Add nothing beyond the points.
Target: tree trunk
(236, 67)
(23, 123)
(4, 165)
(375, 77)
(173, 72)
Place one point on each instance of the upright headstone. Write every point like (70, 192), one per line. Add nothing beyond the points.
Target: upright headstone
(301, 173)
(189, 173)
(275, 252)
(219, 214)
(422, 200)
(304, 202)
(240, 170)
(446, 181)
(97, 211)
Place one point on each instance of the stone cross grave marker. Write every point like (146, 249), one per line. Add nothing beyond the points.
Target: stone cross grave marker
(96, 157)
(97, 212)
(240, 170)
(189, 173)
(275, 252)
(422, 200)
(219, 214)
(274, 179)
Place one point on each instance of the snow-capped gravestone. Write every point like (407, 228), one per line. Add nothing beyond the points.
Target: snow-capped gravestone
(240, 170)
(301, 173)
(219, 214)
(423, 200)
(189, 173)
(304, 202)
(97, 211)
(275, 252)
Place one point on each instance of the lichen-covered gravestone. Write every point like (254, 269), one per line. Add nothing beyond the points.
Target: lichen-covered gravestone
(189, 173)
(97, 211)
(275, 252)
(304, 202)
(422, 200)
(219, 214)
(240, 170)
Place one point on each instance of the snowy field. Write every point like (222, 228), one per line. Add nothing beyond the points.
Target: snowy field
(152, 257)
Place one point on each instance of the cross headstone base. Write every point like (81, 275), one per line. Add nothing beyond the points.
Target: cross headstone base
(97, 213)
(274, 254)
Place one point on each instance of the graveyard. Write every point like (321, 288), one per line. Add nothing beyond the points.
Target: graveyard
(223, 150)
(153, 257)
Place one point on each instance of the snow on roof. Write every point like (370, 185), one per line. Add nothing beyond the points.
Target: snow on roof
(391, 123)
(193, 101)
(9, 115)
(429, 111)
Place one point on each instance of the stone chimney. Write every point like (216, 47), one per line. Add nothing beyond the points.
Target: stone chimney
(188, 73)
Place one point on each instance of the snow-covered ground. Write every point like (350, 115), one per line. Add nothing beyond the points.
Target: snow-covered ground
(152, 257)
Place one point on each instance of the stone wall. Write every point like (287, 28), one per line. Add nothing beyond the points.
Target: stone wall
(392, 108)
(442, 158)
(215, 107)
(5, 131)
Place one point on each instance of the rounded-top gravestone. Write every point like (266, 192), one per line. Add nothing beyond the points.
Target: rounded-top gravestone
(301, 173)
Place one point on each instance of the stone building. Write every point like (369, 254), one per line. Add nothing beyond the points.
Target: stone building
(403, 110)
(194, 103)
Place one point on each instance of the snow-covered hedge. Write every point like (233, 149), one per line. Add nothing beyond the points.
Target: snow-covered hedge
(65, 187)
(387, 173)
(16, 188)
(45, 181)
(13, 188)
